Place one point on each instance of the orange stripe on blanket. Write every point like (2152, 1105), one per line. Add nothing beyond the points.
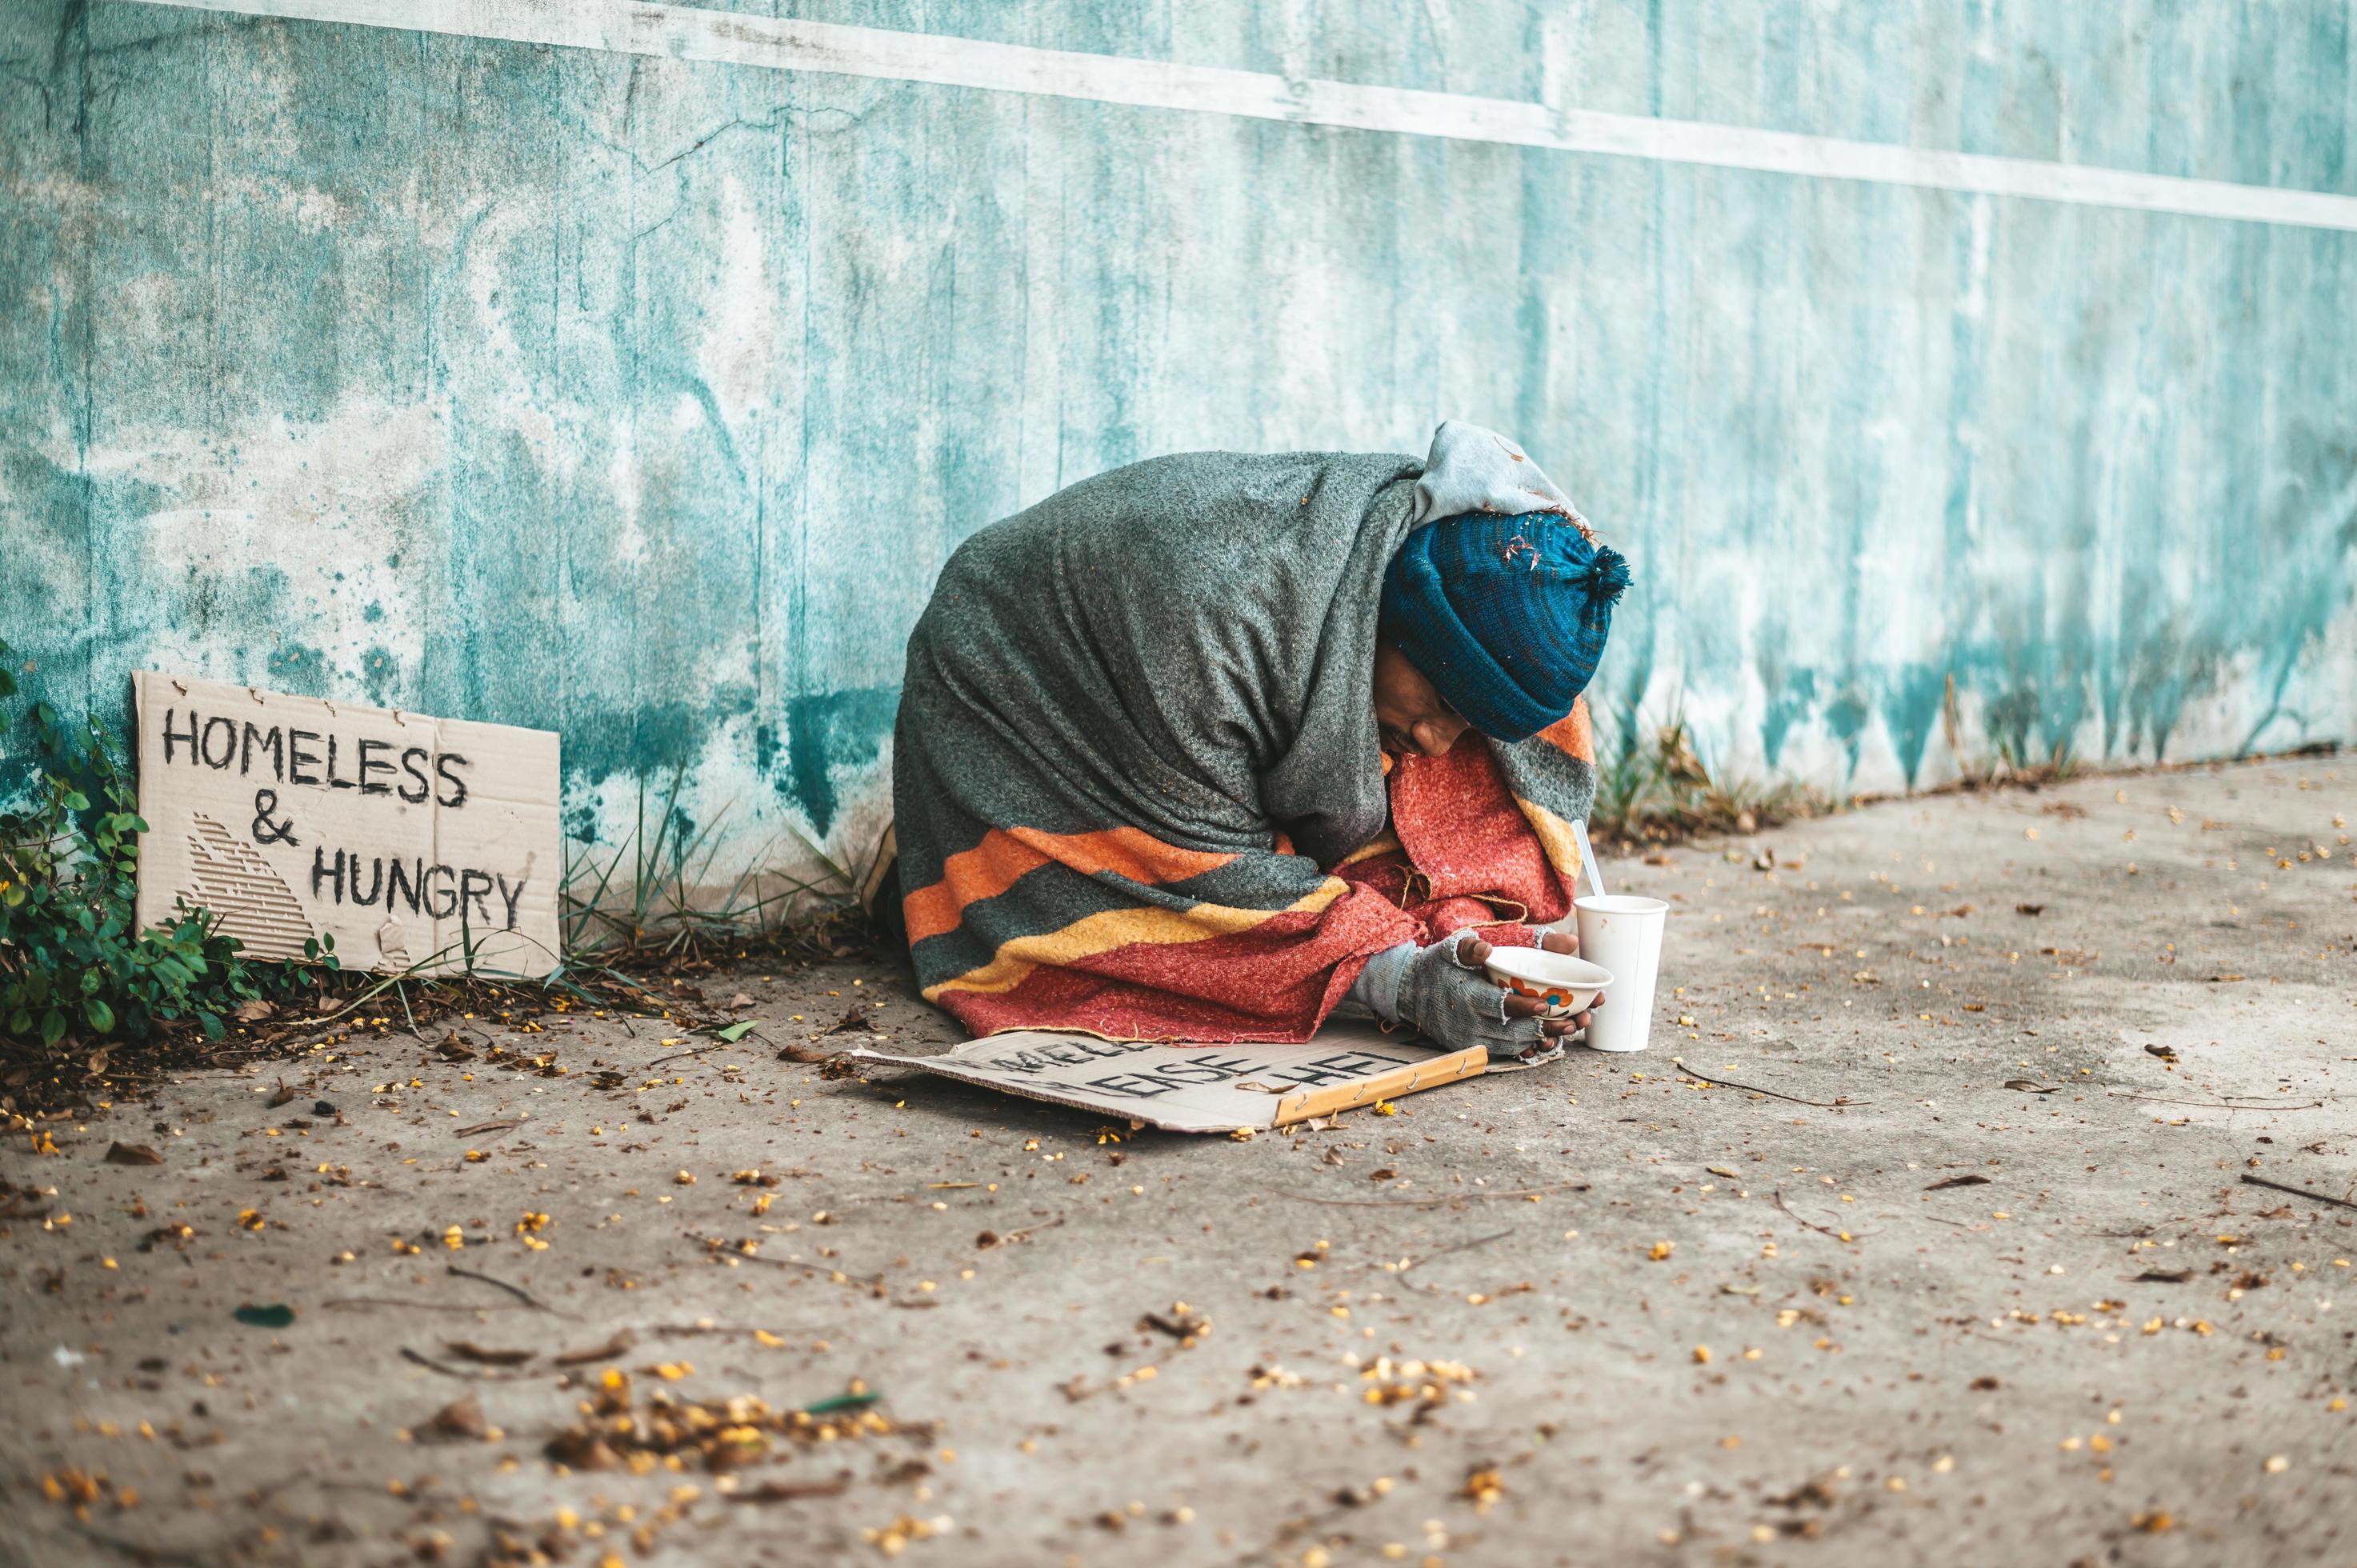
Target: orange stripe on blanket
(1006, 855)
(1102, 932)
(1571, 735)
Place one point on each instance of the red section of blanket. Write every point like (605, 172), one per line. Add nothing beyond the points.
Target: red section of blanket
(1468, 859)
(1276, 982)
(1459, 825)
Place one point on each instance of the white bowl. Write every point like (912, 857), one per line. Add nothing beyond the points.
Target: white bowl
(1562, 983)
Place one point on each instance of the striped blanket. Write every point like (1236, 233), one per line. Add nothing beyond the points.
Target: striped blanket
(1138, 787)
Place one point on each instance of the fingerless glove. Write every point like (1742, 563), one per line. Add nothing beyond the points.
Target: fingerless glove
(1461, 1006)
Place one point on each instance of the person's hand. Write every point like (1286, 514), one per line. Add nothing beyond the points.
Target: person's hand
(1446, 994)
(1475, 953)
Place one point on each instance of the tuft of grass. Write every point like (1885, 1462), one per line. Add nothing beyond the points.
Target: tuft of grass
(1656, 790)
(652, 901)
(2007, 765)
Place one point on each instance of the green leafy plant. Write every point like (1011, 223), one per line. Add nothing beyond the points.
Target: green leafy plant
(72, 960)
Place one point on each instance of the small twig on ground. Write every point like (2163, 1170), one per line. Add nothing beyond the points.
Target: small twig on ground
(1427, 1202)
(872, 1281)
(412, 1305)
(2298, 1192)
(1843, 1104)
(1025, 1233)
(682, 1056)
(518, 1292)
(447, 1371)
(1405, 1283)
(1834, 1231)
(2219, 1104)
(1460, 1247)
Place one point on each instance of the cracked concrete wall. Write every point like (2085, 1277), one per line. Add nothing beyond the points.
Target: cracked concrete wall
(643, 399)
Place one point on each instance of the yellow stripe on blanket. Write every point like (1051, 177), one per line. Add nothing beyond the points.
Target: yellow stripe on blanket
(1102, 932)
(1555, 837)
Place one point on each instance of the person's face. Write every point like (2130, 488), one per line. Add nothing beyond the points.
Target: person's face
(1409, 712)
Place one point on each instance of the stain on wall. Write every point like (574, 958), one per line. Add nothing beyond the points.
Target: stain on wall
(644, 399)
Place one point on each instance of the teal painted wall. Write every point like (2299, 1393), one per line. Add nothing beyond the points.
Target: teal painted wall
(644, 399)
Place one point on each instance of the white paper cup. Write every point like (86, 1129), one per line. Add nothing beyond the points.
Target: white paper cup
(1624, 934)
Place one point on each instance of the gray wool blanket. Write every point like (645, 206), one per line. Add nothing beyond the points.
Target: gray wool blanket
(1138, 788)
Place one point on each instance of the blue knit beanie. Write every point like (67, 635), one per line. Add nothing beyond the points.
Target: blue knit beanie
(1507, 616)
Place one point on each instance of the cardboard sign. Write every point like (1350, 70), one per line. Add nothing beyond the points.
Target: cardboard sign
(414, 842)
(1201, 1089)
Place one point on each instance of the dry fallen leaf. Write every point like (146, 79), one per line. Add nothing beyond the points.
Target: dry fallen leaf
(622, 1340)
(461, 1417)
(1483, 1485)
(1181, 1322)
(2028, 1087)
(1957, 1181)
(468, 1349)
(132, 1154)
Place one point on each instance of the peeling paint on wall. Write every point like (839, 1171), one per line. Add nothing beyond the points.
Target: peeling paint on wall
(644, 399)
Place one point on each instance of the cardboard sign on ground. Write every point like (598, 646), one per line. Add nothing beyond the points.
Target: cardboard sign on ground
(414, 842)
(1201, 1089)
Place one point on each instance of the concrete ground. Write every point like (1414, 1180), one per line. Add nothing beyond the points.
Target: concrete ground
(1968, 1273)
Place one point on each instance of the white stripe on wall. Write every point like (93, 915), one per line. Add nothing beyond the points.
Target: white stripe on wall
(694, 33)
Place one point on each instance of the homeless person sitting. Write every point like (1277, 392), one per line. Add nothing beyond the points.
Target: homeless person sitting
(1183, 754)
